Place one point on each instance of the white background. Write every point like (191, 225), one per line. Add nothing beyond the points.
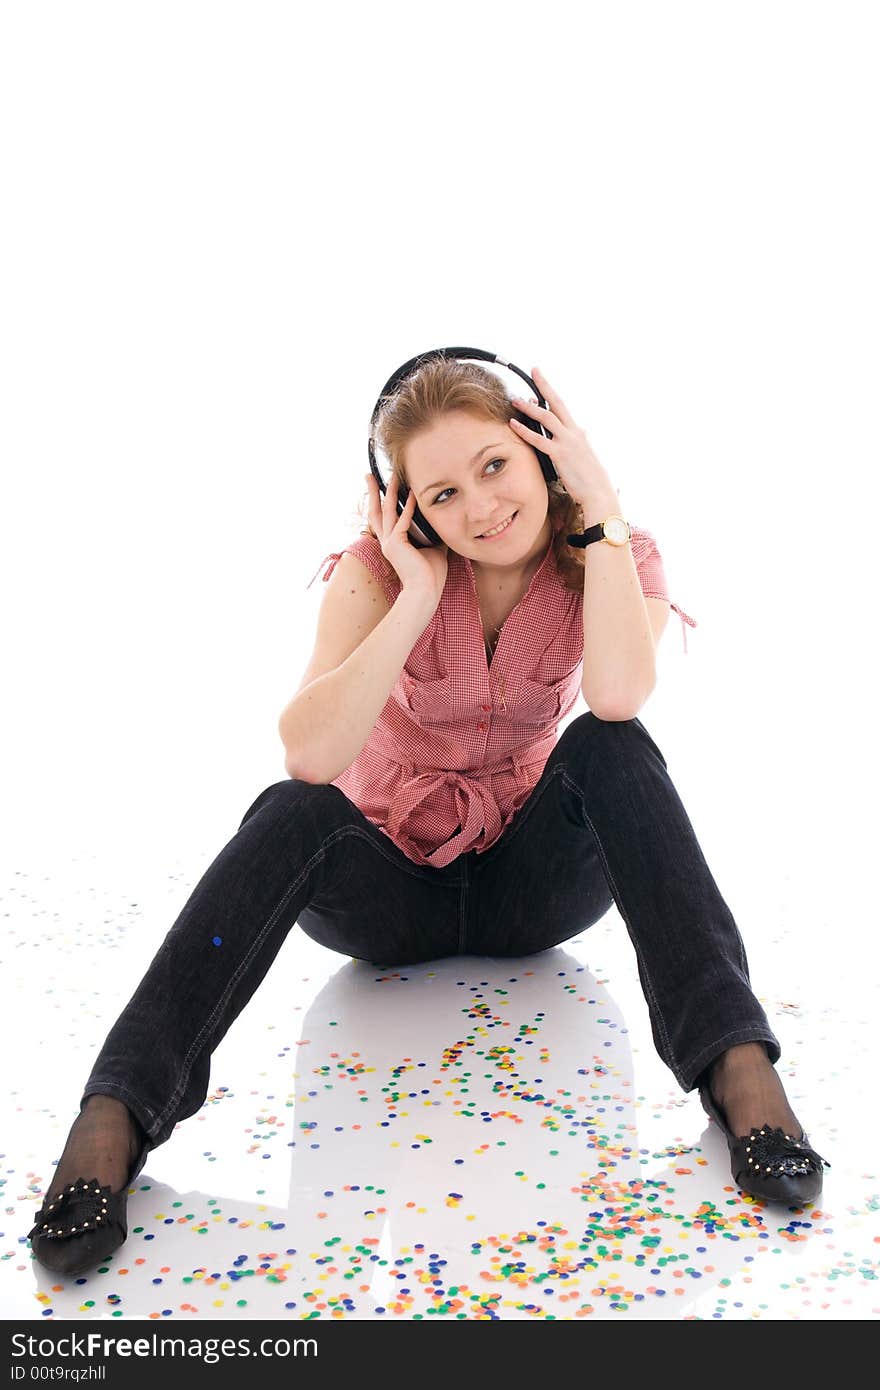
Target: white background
(222, 228)
(225, 226)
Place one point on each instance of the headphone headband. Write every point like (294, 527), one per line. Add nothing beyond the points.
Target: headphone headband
(406, 370)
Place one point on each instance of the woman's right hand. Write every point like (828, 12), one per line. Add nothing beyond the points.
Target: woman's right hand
(423, 570)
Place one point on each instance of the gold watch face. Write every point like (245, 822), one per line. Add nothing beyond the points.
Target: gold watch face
(616, 530)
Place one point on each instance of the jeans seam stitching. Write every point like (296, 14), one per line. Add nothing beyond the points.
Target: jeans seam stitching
(198, 1042)
(408, 868)
(650, 987)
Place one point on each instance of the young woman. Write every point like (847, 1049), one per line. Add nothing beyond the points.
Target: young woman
(430, 808)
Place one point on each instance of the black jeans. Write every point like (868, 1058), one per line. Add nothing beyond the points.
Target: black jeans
(603, 825)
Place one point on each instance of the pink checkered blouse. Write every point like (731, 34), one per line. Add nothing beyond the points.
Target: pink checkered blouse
(462, 741)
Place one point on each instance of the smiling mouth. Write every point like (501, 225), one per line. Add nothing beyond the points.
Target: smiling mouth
(485, 535)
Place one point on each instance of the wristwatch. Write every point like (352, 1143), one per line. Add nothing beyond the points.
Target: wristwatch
(613, 529)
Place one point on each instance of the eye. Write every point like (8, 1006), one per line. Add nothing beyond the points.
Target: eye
(448, 489)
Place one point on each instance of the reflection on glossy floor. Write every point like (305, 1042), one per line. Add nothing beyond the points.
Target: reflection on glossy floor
(468, 1139)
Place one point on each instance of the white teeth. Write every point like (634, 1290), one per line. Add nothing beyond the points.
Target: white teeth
(495, 531)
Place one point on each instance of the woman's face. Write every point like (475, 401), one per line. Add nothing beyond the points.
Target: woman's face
(471, 473)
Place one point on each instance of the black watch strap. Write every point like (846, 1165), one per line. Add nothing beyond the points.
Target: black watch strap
(585, 538)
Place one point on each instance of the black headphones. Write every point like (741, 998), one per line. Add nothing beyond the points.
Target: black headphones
(426, 535)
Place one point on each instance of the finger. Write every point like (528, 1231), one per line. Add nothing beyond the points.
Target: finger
(538, 412)
(553, 398)
(530, 437)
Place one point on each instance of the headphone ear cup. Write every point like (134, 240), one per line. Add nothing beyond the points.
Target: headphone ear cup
(420, 533)
(419, 540)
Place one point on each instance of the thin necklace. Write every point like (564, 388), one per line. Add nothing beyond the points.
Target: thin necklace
(492, 642)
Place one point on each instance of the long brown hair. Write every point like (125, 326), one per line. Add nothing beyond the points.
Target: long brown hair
(439, 386)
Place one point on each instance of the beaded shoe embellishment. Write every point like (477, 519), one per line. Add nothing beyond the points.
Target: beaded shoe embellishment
(79, 1208)
(774, 1154)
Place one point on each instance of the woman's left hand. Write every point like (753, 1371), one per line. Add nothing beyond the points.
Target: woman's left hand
(579, 470)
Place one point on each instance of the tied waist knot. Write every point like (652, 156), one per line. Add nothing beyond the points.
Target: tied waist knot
(475, 809)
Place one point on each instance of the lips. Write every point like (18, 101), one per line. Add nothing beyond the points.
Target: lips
(506, 527)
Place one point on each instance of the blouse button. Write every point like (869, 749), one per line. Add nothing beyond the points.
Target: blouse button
(481, 726)
(485, 706)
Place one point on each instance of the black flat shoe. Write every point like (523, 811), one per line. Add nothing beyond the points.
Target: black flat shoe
(768, 1163)
(83, 1224)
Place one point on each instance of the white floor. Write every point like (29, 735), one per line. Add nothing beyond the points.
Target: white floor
(473, 1138)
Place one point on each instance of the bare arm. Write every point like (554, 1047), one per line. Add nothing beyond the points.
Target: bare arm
(620, 667)
(327, 723)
